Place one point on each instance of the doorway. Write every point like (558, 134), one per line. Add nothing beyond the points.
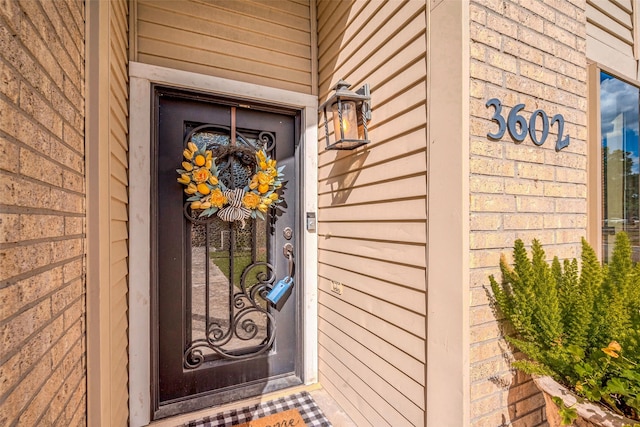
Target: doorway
(215, 338)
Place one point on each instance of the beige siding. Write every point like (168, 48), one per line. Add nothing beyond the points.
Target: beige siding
(611, 37)
(107, 182)
(118, 206)
(372, 216)
(265, 42)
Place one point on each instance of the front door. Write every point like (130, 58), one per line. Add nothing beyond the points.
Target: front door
(216, 338)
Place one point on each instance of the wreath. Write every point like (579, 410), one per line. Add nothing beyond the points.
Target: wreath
(208, 195)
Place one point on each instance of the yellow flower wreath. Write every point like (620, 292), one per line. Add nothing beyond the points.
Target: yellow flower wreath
(199, 175)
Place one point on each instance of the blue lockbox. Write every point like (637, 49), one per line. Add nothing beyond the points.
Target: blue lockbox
(279, 290)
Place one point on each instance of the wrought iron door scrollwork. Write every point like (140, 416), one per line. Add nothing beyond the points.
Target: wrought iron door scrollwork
(242, 327)
(267, 140)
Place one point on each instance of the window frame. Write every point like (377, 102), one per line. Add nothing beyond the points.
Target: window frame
(594, 152)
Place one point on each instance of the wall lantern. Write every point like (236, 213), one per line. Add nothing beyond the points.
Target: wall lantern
(350, 112)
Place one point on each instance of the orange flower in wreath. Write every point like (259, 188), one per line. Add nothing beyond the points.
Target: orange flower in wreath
(251, 200)
(201, 175)
(217, 198)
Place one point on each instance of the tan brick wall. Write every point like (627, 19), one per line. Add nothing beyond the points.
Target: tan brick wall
(42, 285)
(530, 52)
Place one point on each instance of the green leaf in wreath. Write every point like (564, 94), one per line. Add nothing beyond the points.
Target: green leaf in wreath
(208, 212)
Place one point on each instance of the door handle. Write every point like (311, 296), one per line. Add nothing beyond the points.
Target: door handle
(287, 249)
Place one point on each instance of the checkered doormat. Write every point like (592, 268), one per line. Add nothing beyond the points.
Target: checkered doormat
(303, 402)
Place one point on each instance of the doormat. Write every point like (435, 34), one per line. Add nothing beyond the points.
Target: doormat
(285, 419)
(302, 402)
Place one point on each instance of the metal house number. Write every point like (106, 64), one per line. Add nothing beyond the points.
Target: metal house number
(519, 128)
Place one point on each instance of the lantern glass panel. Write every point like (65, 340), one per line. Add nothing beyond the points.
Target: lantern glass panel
(349, 123)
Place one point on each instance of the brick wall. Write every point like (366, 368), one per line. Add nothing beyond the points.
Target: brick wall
(530, 52)
(42, 287)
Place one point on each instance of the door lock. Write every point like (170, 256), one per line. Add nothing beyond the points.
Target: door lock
(287, 233)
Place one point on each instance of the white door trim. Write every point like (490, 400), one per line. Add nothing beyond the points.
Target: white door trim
(142, 76)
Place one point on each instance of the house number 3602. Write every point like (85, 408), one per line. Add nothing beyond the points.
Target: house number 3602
(519, 128)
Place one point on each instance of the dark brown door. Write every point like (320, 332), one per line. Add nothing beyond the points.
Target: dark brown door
(216, 338)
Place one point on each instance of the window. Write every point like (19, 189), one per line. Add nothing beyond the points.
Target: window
(619, 122)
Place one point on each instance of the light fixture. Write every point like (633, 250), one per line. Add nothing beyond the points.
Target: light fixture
(350, 112)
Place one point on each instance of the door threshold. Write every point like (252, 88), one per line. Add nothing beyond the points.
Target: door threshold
(179, 420)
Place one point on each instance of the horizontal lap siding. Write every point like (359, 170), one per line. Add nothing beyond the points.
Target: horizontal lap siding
(610, 34)
(261, 42)
(372, 216)
(615, 18)
(118, 207)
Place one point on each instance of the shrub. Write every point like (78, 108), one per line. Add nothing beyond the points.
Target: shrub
(579, 325)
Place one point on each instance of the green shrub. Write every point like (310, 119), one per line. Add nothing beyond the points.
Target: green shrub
(579, 325)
